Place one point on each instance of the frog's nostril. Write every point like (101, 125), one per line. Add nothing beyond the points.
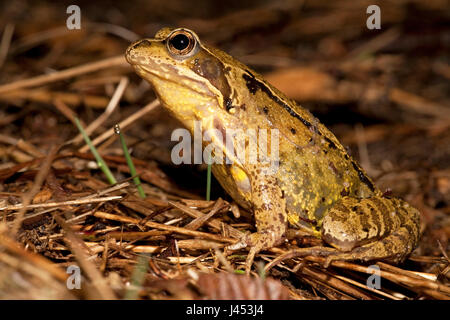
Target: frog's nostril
(133, 51)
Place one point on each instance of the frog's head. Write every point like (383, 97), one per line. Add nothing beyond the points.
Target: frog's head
(188, 79)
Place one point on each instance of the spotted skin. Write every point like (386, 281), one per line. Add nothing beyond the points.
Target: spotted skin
(270, 216)
(317, 186)
(371, 228)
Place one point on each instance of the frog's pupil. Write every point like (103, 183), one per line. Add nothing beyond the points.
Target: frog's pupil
(180, 42)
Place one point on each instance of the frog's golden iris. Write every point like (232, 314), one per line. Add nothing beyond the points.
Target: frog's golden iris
(181, 44)
(318, 187)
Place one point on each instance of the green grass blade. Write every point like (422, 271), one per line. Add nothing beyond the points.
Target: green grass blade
(130, 163)
(137, 278)
(100, 162)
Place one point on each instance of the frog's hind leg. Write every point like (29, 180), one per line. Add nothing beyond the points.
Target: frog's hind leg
(393, 248)
(374, 228)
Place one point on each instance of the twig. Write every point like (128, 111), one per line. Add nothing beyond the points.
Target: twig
(8, 139)
(6, 41)
(364, 286)
(192, 233)
(412, 282)
(47, 96)
(29, 148)
(65, 110)
(198, 222)
(113, 188)
(28, 196)
(105, 255)
(215, 223)
(99, 193)
(334, 282)
(78, 248)
(64, 74)
(375, 44)
(410, 101)
(363, 151)
(57, 204)
(123, 124)
(32, 257)
(113, 103)
(114, 29)
(36, 38)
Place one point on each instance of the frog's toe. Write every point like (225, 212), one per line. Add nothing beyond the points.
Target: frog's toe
(329, 260)
(256, 241)
(257, 246)
(250, 258)
(242, 243)
(238, 245)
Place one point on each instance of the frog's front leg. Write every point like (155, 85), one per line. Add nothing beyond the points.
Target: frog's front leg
(270, 215)
(374, 228)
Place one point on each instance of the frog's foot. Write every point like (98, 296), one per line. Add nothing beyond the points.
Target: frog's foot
(316, 251)
(256, 241)
(391, 249)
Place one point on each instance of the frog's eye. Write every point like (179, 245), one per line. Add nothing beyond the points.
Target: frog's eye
(181, 44)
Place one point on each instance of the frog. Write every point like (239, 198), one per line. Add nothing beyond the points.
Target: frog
(316, 185)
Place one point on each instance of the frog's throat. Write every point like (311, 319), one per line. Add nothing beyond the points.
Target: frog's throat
(206, 120)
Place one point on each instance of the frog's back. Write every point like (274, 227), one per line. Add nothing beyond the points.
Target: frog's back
(314, 170)
(314, 177)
